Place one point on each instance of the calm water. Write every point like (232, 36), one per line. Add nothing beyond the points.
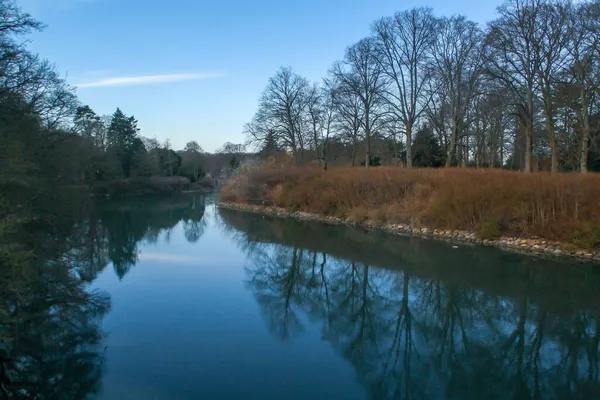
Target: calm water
(176, 299)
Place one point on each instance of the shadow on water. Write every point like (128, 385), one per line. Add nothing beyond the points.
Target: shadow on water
(418, 319)
(51, 341)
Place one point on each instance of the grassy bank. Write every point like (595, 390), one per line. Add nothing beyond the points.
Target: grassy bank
(493, 203)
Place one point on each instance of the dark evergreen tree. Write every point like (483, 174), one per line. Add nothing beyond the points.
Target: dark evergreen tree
(426, 149)
(122, 139)
(270, 147)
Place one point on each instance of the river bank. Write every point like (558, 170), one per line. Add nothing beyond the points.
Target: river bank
(529, 246)
(554, 214)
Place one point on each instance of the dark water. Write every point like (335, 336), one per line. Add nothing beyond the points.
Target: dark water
(176, 299)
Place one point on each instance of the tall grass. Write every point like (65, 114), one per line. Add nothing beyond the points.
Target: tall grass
(563, 207)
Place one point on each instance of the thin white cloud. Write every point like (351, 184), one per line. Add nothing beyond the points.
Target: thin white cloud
(148, 79)
(149, 256)
(180, 259)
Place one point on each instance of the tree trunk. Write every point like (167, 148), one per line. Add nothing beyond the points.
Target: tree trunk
(409, 145)
(367, 139)
(584, 155)
(479, 161)
(529, 131)
(395, 149)
(453, 139)
(324, 153)
(465, 151)
(501, 145)
(553, 148)
(367, 151)
(493, 151)
(585, 125)
(551, 132)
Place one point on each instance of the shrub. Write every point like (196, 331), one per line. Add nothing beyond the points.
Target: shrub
(490, 229)
(561, 207)
(588, 237)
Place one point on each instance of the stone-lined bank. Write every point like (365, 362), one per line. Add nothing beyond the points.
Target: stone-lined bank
(531, 246)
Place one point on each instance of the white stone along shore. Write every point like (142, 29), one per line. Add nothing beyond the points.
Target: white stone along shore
(531, 246)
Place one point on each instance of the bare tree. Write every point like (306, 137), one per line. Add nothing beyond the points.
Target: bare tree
(459, 59)
(329, 118)
(321, 117)
(524, 93)
(361, 75)
(281, 108)
(349, 113)
(314, 111)
(551, 48)
(513, 39)
(194, 147)
(584, 51)
(232, 148)
(405, 42)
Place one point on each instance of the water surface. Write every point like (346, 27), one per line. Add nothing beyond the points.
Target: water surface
(176, 299)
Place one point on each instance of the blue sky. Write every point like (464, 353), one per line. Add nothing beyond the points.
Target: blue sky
(193, 70)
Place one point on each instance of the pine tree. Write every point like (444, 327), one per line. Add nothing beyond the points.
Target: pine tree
(270, 147)
(89, 125)
(122, 139)
(426, 149)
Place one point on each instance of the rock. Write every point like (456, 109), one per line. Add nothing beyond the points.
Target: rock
(557, 251)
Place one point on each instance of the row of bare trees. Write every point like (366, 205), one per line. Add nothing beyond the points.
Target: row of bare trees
(522, 92)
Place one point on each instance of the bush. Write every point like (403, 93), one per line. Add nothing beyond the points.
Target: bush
(562, 207)
(490, 229)
(588, 237)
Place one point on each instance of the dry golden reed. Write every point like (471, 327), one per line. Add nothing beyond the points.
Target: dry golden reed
(563, 207)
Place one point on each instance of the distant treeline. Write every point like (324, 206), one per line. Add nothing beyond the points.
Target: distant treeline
(522, 92)
(48, 138)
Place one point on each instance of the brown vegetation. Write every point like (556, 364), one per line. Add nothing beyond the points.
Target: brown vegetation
(563, 207)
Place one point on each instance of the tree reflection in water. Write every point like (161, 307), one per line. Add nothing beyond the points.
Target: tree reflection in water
(418, 320)
(51, 343)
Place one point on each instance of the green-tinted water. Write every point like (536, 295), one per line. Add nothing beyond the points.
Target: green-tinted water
(176, 299)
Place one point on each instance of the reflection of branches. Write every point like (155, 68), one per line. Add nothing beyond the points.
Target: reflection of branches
(577, 373)
(277, 283)
(412, 337)
(51, 339)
